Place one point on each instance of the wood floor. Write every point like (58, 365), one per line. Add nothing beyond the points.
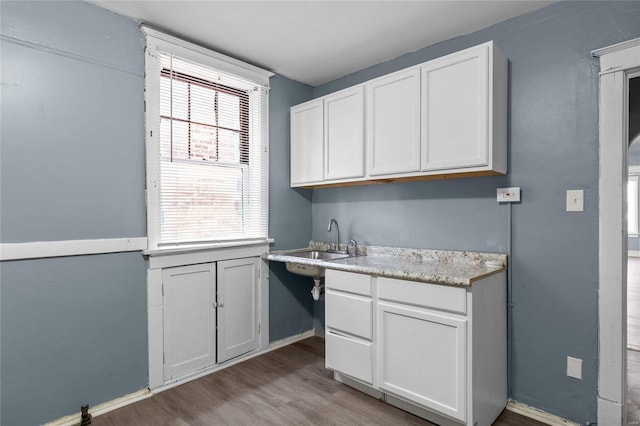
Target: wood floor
(633, 341)
(633, 303)
(289, 386)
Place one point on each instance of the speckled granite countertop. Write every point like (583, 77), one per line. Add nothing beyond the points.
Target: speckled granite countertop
(456, 268)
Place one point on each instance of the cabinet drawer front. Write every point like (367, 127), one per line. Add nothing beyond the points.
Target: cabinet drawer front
(349, 314)
(423, 294)
(349, 356)
(348, 281)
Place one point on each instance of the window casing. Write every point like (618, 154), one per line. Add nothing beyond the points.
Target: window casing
(207, 146)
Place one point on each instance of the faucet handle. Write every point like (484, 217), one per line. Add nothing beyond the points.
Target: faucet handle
(354, 243)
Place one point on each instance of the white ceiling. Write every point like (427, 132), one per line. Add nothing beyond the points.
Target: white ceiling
(318, 41)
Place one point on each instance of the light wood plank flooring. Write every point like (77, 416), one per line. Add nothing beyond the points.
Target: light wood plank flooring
(633, 341)
(289, 386)
(633, 303)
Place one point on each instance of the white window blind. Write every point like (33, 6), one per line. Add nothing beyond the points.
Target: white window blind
(213, 165)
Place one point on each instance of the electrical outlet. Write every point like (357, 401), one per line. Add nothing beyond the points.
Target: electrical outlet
(574, 368)
(509, 195)
(575, 200)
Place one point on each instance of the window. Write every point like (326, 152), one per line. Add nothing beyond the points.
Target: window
(207, 146)
(632, 203)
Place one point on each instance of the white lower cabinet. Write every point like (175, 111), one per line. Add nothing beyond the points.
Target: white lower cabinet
(437, 351)
(208, 303)
(422, 357)
(189, 292)
(349, 325)
(238, 322)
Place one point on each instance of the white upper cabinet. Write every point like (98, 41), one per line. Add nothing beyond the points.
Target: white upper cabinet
(393, 123)
(443, 117)
(464, 114)
(344, 134)
(307, 143)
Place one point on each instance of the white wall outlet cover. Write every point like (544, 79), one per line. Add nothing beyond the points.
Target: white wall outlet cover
(575, 200)
(508, 195)
(574, 367)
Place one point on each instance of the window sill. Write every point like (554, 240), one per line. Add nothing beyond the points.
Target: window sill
(189, 248)
(203, 253)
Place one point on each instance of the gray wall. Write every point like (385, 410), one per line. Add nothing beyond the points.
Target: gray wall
(73, 329)
(290, 307)
(553, 134)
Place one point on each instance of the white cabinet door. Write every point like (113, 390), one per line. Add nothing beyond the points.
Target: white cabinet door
(344, 134)
(455, 110)
(307, 143)
(422, 357)
(189, 319)
(393, 123)
(238, 284)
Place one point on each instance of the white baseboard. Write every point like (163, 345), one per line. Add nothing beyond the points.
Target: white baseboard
(75, 419)
(609, 412)
(205, 372)
(539, 415)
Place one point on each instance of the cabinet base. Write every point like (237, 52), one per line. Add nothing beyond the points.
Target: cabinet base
(396, 402)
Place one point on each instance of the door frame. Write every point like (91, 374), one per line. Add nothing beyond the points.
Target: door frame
(617, 62)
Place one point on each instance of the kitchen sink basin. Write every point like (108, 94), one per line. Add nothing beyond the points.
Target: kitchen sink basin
(315, 271)
(318, 255)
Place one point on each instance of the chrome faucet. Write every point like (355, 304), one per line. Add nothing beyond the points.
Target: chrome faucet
(337, 250)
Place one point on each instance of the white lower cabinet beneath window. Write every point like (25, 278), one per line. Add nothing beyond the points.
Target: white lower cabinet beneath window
(238, 284)
(436, 351)
(189, 293)
(211, 313)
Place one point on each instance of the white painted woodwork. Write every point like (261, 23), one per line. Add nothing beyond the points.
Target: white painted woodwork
(441, 297)
(349, 321)
(617, 64)
(440, 352)
(344, 134)
(349, 356)
(189, 319)
(237, 307)
(307, 142)
(422, 357)
(442, 117)
(456, 110)
(348, 282)
(44, 249)
(349, 314)
(393, 123)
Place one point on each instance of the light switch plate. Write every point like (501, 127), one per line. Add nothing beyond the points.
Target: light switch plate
(575, 200)
(574, 367)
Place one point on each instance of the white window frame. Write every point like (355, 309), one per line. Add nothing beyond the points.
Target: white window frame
(158, 41)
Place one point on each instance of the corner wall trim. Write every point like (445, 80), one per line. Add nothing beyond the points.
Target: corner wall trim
(114, 404)
(539, 415)
(43, 249)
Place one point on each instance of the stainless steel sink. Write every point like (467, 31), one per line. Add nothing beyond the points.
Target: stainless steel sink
(319, 255)
(315, 271)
